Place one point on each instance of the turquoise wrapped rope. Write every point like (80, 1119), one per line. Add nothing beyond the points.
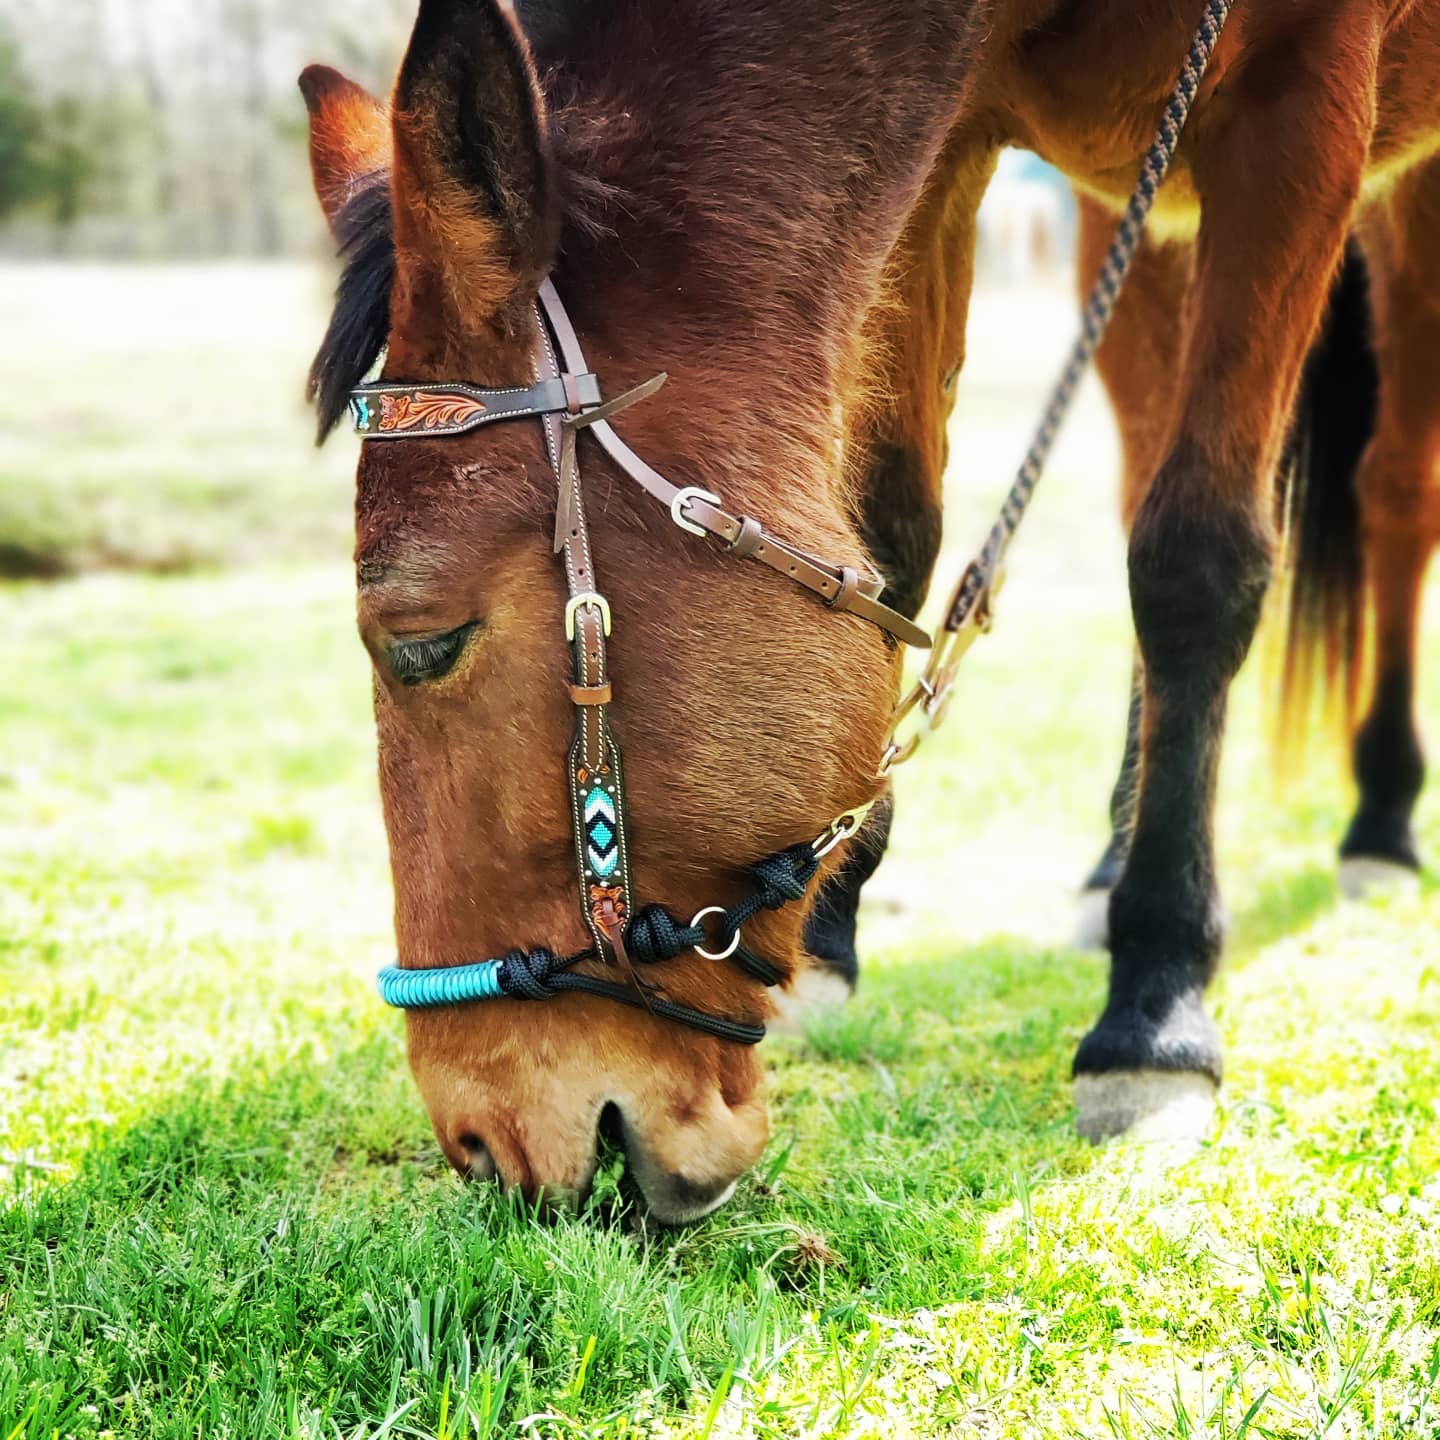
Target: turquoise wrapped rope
(422, 989)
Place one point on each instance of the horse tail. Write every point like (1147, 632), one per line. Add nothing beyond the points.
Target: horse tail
(1335, 419)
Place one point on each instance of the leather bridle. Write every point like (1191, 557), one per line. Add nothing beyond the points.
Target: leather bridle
(566, 397)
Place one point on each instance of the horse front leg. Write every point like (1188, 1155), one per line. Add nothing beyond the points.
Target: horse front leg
(1139, 364)
(1278, 168)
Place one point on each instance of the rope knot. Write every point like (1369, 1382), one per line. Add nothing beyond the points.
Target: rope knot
(654, 935)
(526, 974)
(785, 876)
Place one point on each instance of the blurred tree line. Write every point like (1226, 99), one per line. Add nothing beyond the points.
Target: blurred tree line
(170, 127)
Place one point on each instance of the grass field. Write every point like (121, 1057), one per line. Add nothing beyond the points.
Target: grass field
(224, 1214)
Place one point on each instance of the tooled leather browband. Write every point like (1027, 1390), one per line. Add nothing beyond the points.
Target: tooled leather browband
(403, 412)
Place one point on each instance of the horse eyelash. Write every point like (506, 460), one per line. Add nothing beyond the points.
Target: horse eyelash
(429, 658)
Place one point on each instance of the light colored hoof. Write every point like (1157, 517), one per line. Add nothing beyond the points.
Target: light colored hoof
(1092, 920)
(1364, 877)
(814, 993)
(1144, 1105)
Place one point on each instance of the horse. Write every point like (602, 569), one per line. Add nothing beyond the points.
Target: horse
(774, 204)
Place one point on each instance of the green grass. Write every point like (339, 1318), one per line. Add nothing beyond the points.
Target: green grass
(224, 1213)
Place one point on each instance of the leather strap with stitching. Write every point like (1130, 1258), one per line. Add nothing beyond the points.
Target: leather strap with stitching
(594, 770)
(842, 588)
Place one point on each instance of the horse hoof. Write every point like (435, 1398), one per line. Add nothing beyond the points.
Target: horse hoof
(1092, 920)
(1144, 1105)
(1363, 877)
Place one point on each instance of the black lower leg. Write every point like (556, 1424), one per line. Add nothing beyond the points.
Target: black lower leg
(1123, 797)
(1390, 770)
(1198, 574)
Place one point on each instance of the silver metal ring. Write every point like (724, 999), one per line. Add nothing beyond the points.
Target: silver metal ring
(729, 950)
(682, 499)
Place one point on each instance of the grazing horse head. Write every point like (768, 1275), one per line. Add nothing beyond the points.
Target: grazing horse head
(723, 222)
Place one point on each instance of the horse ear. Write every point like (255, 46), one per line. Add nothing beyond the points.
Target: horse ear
(474, 182)
(349, 137)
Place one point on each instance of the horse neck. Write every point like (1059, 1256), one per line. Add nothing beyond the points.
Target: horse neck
(736, 191)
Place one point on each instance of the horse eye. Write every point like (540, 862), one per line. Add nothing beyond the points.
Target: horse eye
(428, 657)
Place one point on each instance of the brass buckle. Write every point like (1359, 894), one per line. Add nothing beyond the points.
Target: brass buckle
(588, 600)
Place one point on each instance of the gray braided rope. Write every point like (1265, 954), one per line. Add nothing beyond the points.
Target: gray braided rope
(1098, 311)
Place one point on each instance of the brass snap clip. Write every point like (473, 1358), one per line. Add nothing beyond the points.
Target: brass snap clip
(840, 829)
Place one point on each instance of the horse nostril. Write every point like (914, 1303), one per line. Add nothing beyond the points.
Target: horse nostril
(479, 1163)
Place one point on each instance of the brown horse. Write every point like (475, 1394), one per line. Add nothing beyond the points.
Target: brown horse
(775, 203)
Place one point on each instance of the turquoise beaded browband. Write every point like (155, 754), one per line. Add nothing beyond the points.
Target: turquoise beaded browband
(566, 398)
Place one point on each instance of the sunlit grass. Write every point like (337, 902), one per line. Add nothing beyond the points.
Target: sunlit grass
(225, 1214)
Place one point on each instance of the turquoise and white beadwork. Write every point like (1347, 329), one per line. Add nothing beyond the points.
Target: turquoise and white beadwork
(602, 840)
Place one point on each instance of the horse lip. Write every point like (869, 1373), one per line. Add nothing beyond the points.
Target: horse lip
(671, 1199)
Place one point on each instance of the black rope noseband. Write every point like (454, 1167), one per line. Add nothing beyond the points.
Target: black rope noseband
(652, 937)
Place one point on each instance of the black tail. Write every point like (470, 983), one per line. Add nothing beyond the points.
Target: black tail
(1335, 420)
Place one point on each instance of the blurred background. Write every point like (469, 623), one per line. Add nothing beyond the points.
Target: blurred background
(161, 128)
(166, 273)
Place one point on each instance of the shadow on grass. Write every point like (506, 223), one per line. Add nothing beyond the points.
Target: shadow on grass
(287, 1241)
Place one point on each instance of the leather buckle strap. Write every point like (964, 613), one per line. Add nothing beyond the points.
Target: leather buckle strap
(592, 694)
(701, 513)
(402, 412)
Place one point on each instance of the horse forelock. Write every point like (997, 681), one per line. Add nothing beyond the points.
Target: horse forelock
(360, 323)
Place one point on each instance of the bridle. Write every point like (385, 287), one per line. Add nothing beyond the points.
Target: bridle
(566, 397)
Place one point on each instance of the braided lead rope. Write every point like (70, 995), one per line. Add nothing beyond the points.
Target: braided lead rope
(978, 580)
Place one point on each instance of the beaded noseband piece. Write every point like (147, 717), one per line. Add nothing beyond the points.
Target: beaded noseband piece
(566, 398)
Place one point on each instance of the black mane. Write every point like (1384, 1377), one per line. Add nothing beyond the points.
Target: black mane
(360, 325)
